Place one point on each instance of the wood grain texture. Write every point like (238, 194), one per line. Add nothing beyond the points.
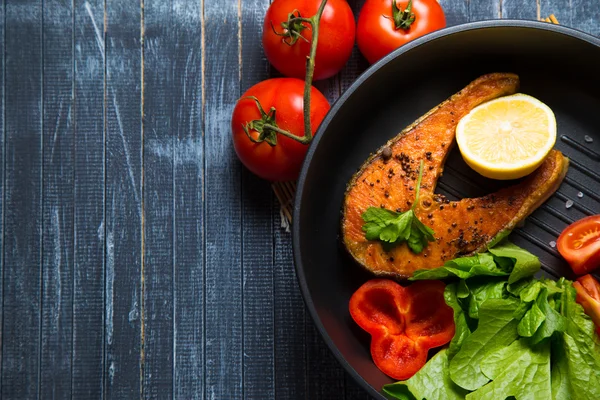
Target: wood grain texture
(456, 11)
(561, 9)
(357, 63)
(585, 15)
(2, 170)
(488, 9)
(158, 40)
(139, 258)
(89, 228)
(352, 391)
(223, 219)
(57, 207)
(519, 9)
(290, 322)
(124, 267)
(323, 372)
(257, 230)
(325, 375)
(188, 182)
(23, 202)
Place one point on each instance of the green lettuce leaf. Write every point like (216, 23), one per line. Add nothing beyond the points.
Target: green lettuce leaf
(497, 329)
(532, 320)
(525, 263)
(559, 371)
(519, 370)
(581, 347)
(462, 330)
(431, 383)
(482, 289)
(503, 259)
(553, 321)
(465, 267)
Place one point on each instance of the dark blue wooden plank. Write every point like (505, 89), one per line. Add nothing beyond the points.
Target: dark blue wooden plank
(158, 199)
(561, 9)
(352, 391)
(325, 374)
(23, 212)
(257, 244)
(89, 207)
(290, 342)
(124, 266)
(520, 9)
(357, 63)
(585, 16)
(2, 169)
(485, 9)
(223, 306)
(325, 378)
(188, 291)
(355, 66)
(456, 11)
(57, 250)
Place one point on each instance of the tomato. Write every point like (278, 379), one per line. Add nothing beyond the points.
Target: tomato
(281, 161)
(377, 35)
(336, 37)
(579, 244)
(588, 295)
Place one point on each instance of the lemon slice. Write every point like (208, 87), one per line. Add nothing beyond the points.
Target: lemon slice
(507, 138)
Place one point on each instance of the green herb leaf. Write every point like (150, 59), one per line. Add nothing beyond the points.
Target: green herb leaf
(426, 384)
(497, 329)
(376, 219)
(525, 263)
(518, 370)
(392, 228)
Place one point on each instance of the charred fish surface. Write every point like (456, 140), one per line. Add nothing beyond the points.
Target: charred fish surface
(388, 179)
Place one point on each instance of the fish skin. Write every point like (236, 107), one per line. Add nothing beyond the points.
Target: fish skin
(461, 227)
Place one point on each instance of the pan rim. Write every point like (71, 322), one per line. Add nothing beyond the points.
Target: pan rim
(372, 70)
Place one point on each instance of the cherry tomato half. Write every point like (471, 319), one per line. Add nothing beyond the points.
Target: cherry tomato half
(377, 35)
(579, 244)
(282, 161)
(336, 37)
(588, 295)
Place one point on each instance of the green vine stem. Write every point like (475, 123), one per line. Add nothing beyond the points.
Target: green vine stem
(270, 125)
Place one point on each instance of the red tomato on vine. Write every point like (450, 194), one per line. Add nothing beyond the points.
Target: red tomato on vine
(287, 35)
(385, 25)
(268, 127)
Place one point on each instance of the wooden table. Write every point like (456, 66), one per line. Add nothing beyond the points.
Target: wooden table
(139, 259)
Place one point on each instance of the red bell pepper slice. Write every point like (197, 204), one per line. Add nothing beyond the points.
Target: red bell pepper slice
(404, 323)
(588, 295)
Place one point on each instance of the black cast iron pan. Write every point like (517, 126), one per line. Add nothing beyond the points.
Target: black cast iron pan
(558, 65)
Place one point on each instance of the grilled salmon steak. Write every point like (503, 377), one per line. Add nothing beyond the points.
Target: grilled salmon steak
(388, 179)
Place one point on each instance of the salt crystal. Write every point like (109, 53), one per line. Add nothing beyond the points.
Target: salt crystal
(569, 204)
(588, 139)
(580, 194)
(553, 244)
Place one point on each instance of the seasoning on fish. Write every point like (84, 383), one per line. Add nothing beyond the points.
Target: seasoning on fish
(430, 139)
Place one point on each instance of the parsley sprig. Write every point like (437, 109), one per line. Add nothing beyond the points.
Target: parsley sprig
(392, 228)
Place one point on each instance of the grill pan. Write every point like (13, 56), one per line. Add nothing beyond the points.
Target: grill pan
(558, 65)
